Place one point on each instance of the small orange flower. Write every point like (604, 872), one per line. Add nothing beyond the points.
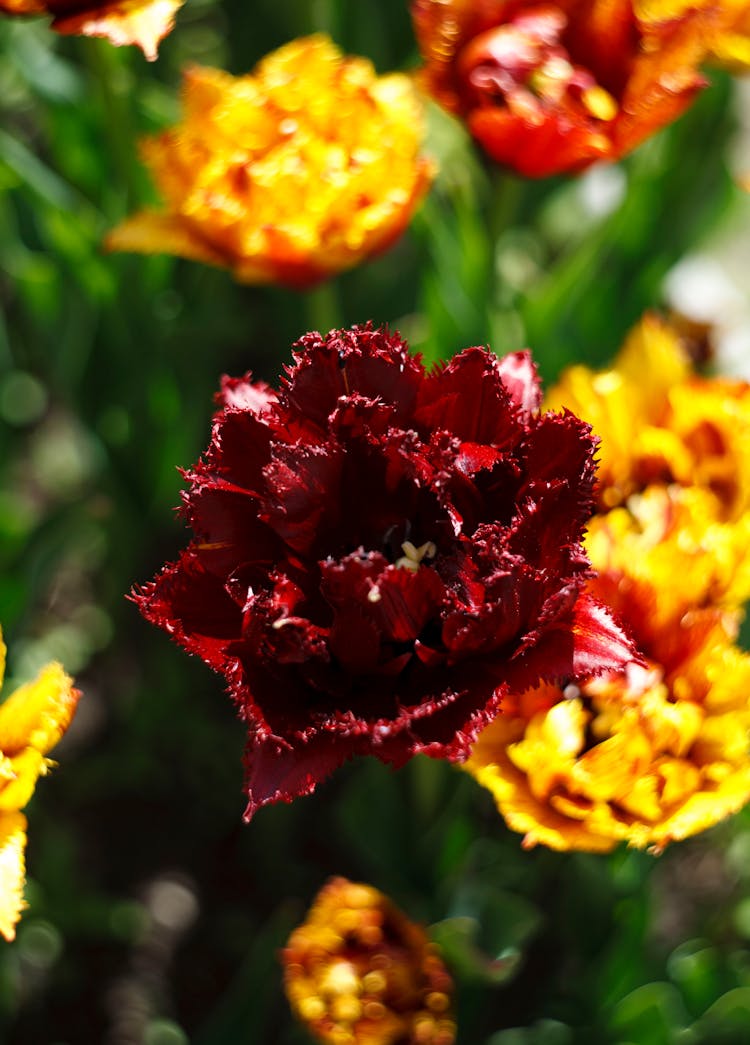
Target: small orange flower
(548, 88)
(32, 720)
(358, 972)
(288, 175)
(140, 22)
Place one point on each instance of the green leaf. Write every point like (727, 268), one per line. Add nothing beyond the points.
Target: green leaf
(650, 1015)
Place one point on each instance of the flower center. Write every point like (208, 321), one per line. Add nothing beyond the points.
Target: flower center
(411, 560)
(524, 65)
(412, 557)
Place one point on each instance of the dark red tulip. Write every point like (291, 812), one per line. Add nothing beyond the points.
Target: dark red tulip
(381, 552)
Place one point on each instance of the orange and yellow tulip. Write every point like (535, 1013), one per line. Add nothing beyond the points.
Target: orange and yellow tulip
(288, 175)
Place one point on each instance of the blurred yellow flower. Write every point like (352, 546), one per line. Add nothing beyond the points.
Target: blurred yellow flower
(32, 720)
(727, 28)
(288, 175)
(358, 972)
(730, 47)
(660, 422)
(141, 22)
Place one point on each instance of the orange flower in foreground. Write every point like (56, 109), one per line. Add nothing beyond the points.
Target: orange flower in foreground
(32, 720)
(358, 972)
(140, 22)
(288, 175)
(548, 88)
(647, 755)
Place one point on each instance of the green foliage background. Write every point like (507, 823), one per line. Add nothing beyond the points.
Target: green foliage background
(156, 915)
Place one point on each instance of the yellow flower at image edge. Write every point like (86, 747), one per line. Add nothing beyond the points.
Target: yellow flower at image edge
(654, 753)
(287, 175)
(731, 45)
(359, 972)
(32, 720)
(141, 22)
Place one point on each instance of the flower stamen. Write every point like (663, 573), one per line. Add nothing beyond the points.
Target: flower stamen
(600, 103)
(412, 557)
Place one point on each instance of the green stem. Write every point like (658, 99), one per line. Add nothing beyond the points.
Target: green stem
(427, 778)
(504, 333)
(507, 191)
(324, 307)
(104, 66)
(325, 17)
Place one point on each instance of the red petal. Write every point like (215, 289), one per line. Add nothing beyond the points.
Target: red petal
(549, 144)
(519, 375)
(239, 451)
(468, 398)
(406, 601)
(303, 494)
(355, 641)
(476, 457)
(561, 447)
(245, 394)
(599, 642)
(370, 363)
(192, 605)
(595, 643)
(280, 772)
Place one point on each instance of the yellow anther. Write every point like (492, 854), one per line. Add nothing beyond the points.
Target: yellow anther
(341, 1036)
(412, 557)
(599, 103)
